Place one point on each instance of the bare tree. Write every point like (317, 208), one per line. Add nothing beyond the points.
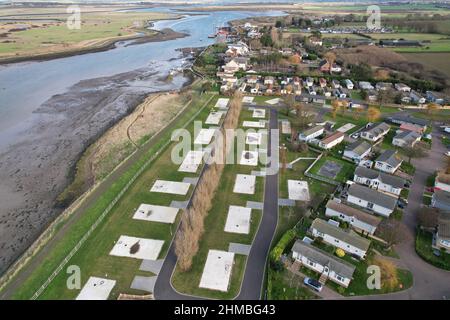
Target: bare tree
(428, 217)
(417, 151)
(392, 231)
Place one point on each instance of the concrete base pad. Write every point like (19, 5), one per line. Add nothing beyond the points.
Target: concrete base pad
(285, 127)
(214, 117)
(96, 289)
(217, 271)
(155, 213)
(249, 158)
(254, 124)
(253, 138)
(259, 113)
(204, 136)
(192, 161)
(248, 99)
(149, 249)
(346, 127)
(273, 101)
(144, 283)
(245, 184)
(222, 103)
(172, 187)
(239, 248)
(238, 220)
(298, 190)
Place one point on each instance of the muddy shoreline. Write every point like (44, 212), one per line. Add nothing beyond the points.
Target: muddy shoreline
(161, 35)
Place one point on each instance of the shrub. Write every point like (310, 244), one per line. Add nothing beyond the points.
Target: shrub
(285, 240)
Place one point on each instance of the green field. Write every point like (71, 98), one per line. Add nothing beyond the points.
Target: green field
(93, 257)
(215, 237)
(431, 60)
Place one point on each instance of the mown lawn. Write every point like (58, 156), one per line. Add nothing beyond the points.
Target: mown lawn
(93, 257)
(425, 251)
(344, 173)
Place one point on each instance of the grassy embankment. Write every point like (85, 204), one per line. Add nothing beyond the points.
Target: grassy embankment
(215, 237)
(93, 257)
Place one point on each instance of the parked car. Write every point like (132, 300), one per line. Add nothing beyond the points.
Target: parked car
(314, 284)
(447, 153)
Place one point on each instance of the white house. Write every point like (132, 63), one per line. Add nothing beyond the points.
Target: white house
(357, 151)
(336, 84)
(231, 67)
(311, 133)
(269, 80)
(375, 131)
(442, 181)
(349, 241)
(371, 199)
(349, 84)
(379, 180)
(359, 220)
(402, 87)
(364, 85)
(327, 265)
(332, 140)
(417, 98)
(442, 236)
(406, 138)
(309, 82)
(388, 161)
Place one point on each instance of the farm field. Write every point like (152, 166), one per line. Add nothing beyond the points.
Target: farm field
(431, 60)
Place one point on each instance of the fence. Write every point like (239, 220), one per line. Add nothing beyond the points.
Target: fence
(317, 177)
(108, 209)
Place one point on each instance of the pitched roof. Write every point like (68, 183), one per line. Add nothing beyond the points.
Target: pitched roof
(333, 137)
(349, 237)
(442, 196)
(378, 128)
(312, 130)
(359, 147)
(444, 224)
(389, 179)
(407, 136)
(353, 212)
(408, 119)
(390, 157)
(373, 196)
(335, 264)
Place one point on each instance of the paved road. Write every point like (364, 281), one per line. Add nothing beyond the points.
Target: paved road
(429, 282)
(256, 261)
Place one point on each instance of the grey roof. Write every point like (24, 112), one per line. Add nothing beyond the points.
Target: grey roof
(389, 179)
(312, 130)
(339, 266)
(359, 147)
(349, 237)
(408, 119)
(442, 196)
(390, 157)
(378, 128)
(444, 224)
(407, 136)
(373, 196)
(353, 212)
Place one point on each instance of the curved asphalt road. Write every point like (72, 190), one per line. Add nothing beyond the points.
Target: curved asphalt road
(256, 261)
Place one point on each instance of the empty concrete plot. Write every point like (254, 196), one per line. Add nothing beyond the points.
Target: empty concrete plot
(153, 266)
(239, 248)
(96, 289)
(245, 184)
(192, 161)
(222, 103)
(253, 138)
(273, 101)
(259, 113)
(143, 283)
(285, 127)
(346, 127)
(254, 124)
(217, 271)
(155, 213)
(248, 99)
(172, 187)
(238, 220)
(330, 169)
(205, 136)
(138, 248)
(249, 158)
(214, 117)
(298, 190)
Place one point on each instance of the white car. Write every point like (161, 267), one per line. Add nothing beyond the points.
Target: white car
(447, 153)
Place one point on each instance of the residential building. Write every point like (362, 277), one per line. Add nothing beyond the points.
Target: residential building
(364, 85)
(311, 91)
(402, 87)
(400, 119)
(327, 265)
(442, 181)
(325, 66)
(441, 200)
(442, 236)
(315, 41)
(322, 82)
(383, 86)
(371, 199)
(332, 140)
(336, 84)
(357, 151)
(412, 127)
(349, 241)
(406, 138)
(269, 80)
(349, 84)
(252, 79)
(379, 180)
(388, 161)
(435, 97)
(375, 132)
(416, 98)
(359, 220)
(231, 67)
(311, 133)
(309, 82)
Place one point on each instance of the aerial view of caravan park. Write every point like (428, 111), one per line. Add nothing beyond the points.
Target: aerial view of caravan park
(225, 151)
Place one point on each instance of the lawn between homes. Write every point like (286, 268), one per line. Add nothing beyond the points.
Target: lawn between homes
(215, 237)
(93, 257)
